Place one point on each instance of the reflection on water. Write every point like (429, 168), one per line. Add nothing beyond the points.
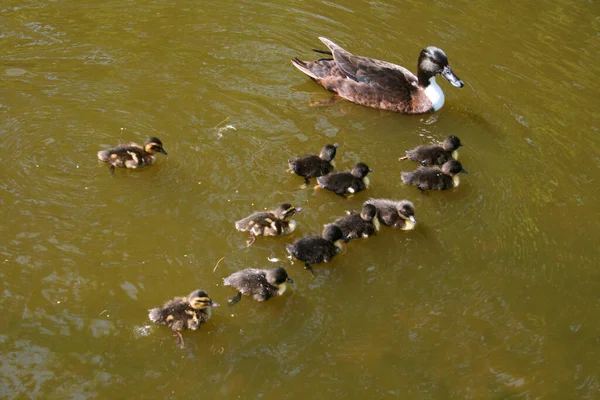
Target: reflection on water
(493, 295)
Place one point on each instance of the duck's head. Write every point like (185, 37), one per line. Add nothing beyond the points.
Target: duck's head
(361, 170)
(406, 210)
(154, 145)
(368, 212)
(453, 167)
(433, 61)
(199, 300)
(277, 276)
(328, 152)
(452, 143)
(286, 211)
(334, 235)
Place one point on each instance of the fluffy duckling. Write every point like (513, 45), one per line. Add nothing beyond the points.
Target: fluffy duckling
(180, 313)
(435, 178)
(132, 155)
(269, 223)
(312, 165)
(317, 249)
(356, 225)
(399, 214)
(262, 284)
(436, 154)
(345, 182)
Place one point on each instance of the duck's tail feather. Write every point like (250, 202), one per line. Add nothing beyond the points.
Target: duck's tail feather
(302, 66)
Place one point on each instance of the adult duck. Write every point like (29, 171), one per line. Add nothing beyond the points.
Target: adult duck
(381, 84)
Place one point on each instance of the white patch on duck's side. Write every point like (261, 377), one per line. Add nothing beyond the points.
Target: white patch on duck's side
(434, 93)
(339, 244)
(455, 154)
(350, 190)
(366, 181)
(409, 225)
(281, 289)
(455, 180)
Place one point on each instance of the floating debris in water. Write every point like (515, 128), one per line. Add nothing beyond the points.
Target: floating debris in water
(273, 259)
(141, 331)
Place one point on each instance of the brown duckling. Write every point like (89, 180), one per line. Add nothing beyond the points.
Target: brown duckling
(381, 84)
(180, 313)
(312, 165)
(356, 225)
(399, 214)
(435, 178)
(347, 182)
(269, 223)
(261, 284)
(317, 249)
(436, 154)
(132, 155)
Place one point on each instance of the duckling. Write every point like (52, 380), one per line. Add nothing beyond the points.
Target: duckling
(397, 214)
(180, 313)
(262, 284)
(435, 154)
(312, 165)
(317, 249)
(132, 155)
(345, 182)
(269, 223)
(356, 225)
(435, 178)
(381, 84)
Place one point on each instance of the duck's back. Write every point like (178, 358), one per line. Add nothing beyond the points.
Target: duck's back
(249, 281)
(429, 155)
(310, 166)
(258, 219)
(312, 249)
(178, 314)
(341, 182)
(354, 227)
(129, 155)
(428, 178)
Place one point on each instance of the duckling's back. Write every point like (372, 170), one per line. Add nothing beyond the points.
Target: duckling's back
(354, 227)
(429, 155)
(428, 178)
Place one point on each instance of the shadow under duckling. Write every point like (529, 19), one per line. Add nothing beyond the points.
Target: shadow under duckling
(312, 165)
(269, 223)
(359, 224)
(347, 182)
(132, 155)
(435, 178)
(317, 249)
(437, 154)
(398, 214)
(261, 284)
(180, 313)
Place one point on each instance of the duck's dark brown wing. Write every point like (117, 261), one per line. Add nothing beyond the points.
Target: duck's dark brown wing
(375, 72)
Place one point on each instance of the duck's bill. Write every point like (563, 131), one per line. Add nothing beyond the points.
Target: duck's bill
(413, 219)
(464, 171)
(290, 280)
(213, 304)
(163, 151)
(450, 77)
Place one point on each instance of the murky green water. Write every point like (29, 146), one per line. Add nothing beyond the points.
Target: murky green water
(495, 295)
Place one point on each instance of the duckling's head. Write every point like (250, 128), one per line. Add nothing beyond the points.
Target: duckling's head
(154, 145)
(433, 61)
(277, 276)
(406, 210)
(333, 234)
(328, 152)
(368, 212)
(286, 211)
(453, 167)
(361, 170)
(452, 143)
(199, 300)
